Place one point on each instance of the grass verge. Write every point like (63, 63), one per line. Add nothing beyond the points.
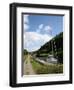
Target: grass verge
(47, 69)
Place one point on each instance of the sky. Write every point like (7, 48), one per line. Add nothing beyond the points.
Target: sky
(39, 29)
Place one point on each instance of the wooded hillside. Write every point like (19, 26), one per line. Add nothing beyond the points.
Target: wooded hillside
(57, 44)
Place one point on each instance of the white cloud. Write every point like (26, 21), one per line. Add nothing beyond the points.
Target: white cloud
(26, 27)
(40, 26)
(33, 40)
(26, 22)
(47, 28)
(44, 29)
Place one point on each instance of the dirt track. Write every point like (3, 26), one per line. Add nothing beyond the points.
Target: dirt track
(28, 70)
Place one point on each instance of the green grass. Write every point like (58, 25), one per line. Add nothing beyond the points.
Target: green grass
(47, 69)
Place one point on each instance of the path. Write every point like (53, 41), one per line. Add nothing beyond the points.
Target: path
(28, 70)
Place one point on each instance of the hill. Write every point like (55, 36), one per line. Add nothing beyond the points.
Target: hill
(54, 46)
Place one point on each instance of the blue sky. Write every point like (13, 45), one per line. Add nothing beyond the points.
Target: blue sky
(39, 29)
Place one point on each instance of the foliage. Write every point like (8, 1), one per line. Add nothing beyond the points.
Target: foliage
(25, 52)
